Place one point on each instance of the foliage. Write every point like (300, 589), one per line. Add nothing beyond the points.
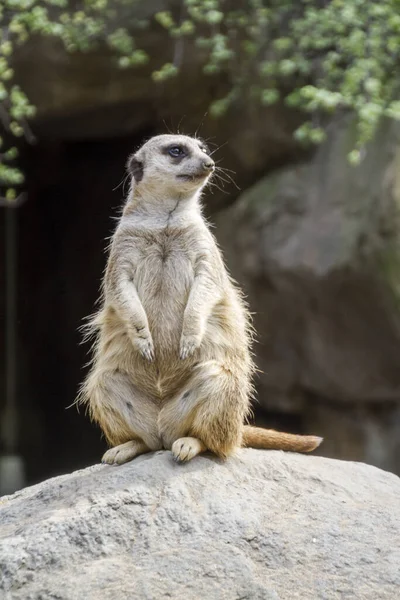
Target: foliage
(319, 56)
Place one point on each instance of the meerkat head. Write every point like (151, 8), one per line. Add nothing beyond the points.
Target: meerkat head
(172, 164)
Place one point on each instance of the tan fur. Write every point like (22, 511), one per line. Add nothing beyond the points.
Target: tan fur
(255, 437)
(172, 366)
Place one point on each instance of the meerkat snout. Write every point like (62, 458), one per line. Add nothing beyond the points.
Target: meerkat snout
(208, 165)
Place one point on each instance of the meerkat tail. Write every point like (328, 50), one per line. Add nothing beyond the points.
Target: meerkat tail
(256, 437)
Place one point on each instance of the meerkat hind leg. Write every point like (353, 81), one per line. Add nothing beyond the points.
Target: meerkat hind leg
(208, 416)
(127, 416)
(124, 452)
(186, 448)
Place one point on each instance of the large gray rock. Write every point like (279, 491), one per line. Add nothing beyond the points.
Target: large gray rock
(264, 525)
(318, 253)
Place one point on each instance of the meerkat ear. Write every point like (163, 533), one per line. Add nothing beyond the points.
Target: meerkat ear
(135, 168)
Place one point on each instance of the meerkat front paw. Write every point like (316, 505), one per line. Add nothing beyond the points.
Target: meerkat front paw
(188, 345)
(145, 346)
(184, 449)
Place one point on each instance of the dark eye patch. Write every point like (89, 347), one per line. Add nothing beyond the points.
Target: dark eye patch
(176, 151)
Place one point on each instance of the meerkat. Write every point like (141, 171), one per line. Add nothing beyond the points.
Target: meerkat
(172, 364)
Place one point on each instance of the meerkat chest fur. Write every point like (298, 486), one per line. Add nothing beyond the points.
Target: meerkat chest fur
(165, 253)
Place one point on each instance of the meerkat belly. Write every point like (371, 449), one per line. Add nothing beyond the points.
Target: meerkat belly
(164, 279)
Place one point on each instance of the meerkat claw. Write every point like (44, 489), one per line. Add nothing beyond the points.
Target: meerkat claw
(149, 354)
(146, 349)
(188, 346)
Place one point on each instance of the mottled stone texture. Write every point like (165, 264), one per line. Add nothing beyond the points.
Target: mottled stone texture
(264, 525)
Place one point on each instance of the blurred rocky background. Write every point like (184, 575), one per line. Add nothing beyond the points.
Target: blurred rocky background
(312, 239)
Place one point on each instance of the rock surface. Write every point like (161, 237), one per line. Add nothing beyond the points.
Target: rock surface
(264, 525)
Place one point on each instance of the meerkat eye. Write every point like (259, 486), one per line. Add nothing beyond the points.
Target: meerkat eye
(176, 151)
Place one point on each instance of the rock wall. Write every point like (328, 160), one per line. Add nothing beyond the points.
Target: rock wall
(316, 246)
(264, 525)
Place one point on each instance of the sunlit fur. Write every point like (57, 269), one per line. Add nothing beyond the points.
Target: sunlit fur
(172, 366)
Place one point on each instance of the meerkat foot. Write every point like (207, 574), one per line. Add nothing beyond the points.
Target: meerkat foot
(184, 449)
(124, 452)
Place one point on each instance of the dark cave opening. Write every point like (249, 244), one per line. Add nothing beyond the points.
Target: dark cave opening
(74, 191)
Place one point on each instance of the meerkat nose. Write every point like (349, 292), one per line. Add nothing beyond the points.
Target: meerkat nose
(208, 165)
